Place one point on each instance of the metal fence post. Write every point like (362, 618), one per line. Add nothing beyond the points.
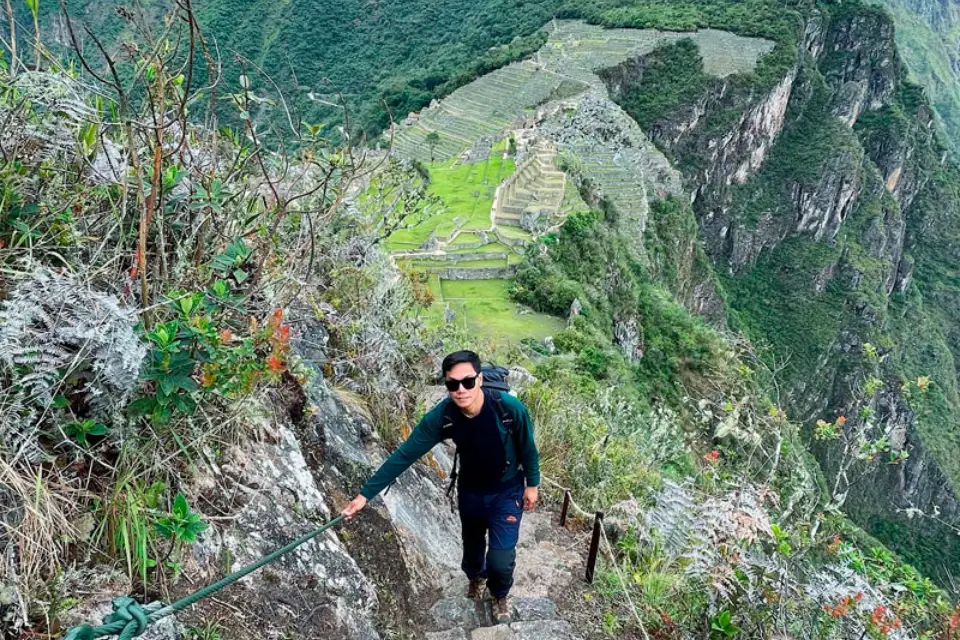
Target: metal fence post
(594, 546)
(565, 509)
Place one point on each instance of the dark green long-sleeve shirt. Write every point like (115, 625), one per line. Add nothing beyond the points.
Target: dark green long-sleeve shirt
(427, 435)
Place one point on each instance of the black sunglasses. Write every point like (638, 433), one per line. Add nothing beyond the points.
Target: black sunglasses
(453, 385)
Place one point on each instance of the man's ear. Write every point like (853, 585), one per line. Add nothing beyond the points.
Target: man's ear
(479, 379)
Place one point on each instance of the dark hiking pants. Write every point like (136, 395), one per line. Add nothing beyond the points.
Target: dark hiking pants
(497, 514)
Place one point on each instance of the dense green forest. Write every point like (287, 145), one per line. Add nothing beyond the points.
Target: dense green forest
(383, 58)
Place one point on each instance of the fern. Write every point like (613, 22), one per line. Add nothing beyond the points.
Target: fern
(58, 336)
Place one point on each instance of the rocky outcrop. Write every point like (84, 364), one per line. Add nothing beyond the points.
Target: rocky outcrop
(626, 335)
(859, 59)
(894, 143)
(276, 498)
(822, 207)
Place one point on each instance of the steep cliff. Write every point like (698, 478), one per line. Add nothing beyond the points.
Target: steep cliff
(822, 193)
(928, 36)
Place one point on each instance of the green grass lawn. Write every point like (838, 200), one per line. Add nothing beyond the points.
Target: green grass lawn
(467, 194)
(466, 238)
(485, 307)
(514, 233)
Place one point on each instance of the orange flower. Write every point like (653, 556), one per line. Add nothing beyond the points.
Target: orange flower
(275, 364)
(207, 379)
(858, 597)
(878, 615)
(226, 336)
(278, 314)
(285, 333)
(834, 546)
(842, 420)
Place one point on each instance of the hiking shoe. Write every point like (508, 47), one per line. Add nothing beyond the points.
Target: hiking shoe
(475, 590)
(501, 610)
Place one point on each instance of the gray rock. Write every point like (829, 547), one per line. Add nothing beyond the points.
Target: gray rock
(450, 634)
(549, 345)
(520, 377)
(455, 612)
(319, 582)
(543, 630)
(11, 611)
(534, 609)
(499, 632)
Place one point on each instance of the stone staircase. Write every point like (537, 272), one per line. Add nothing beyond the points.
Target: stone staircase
(544, 566)
(534, 190)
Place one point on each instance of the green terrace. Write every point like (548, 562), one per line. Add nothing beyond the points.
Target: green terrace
(467, 192)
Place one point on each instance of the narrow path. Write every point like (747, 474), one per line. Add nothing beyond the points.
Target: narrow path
(546, 565)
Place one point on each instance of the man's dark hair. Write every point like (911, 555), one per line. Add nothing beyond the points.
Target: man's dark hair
(459, 357)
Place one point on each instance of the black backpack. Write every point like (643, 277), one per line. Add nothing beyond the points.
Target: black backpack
(495, 378)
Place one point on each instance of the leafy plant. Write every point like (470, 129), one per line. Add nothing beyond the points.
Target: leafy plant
(79, 431)
(209, 631)
(722, 625)
(181, 525)
(197, 355)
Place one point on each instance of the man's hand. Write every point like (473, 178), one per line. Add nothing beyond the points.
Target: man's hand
(356, 505)
(530, 497)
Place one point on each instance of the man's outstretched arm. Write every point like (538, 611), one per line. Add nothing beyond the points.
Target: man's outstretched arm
(425, 436)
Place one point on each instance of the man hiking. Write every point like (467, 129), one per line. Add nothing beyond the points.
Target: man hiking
(497, 481)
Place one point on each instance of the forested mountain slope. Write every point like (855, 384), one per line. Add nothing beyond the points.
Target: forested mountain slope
(928, 36)
(393, 53)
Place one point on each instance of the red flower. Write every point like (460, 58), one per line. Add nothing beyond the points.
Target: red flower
(275, 364)
(285, 333)
(713, 456)
(278, 314)
(879, 613)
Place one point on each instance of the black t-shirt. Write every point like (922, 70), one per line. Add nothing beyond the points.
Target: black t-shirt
(483, 457)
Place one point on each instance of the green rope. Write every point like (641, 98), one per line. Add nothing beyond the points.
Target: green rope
(130, 618)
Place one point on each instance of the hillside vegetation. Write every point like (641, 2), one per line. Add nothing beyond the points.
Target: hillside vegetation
(750, 290)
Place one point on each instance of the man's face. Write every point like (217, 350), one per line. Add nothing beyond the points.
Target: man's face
(463, 397)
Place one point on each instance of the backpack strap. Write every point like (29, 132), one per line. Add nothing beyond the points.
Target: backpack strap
(447, 432)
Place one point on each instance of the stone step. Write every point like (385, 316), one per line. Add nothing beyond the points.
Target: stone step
(535, 630)
(455, 613)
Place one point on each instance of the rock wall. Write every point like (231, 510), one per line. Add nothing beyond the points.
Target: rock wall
(487, 273)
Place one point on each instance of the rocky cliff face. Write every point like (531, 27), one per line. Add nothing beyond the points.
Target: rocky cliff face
(806, 195)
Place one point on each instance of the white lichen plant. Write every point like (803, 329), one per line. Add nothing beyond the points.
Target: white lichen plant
(67, 353)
